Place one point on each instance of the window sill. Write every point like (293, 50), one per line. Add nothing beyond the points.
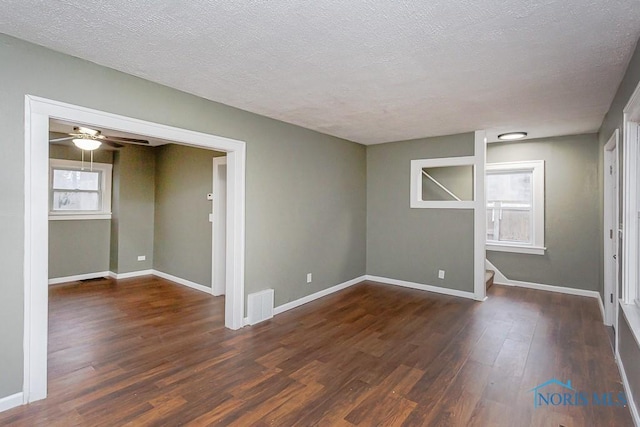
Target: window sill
(73, 217)
(632, 314)
(531, 250)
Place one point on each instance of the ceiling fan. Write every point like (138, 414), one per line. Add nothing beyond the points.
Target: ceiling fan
(91, 139)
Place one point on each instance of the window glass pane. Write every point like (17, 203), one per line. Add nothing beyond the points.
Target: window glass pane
(491, 225)
(75, 201)
(515, 226)
(76, 180)
(510, 187)
(447, 183)
(509, 206)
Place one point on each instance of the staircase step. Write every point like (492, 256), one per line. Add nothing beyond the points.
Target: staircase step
(488, 277)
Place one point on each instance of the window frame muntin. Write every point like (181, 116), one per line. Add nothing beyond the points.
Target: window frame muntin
(104, 192)
(537, 169)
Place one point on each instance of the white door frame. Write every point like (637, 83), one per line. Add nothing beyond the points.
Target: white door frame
(218, 286)
(630, 149)
(479, 216)
(611, 226)
(38, 112)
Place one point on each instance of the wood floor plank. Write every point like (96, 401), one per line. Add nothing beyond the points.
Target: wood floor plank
(146, 352)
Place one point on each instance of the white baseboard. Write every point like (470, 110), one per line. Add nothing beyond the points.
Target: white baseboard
(304, 300)
(181, 281)
(422, 287)
(75, 278)
(498, 276)
(601, 305)
(12, 401)
(627, 391)
(163, 275)
(130, 274)
(501, 279)
(558, 289)
(550, 288)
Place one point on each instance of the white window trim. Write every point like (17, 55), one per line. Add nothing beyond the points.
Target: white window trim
(537, 246)
(631, 208)
(105, 193)
(417, 166)
(514, 248)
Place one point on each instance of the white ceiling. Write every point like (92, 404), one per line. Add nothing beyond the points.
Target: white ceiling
(370, 70)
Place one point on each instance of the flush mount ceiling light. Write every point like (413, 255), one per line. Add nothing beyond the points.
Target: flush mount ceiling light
(512, 136)
(88, 144)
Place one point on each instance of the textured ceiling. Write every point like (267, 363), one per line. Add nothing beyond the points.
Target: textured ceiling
(369, 71)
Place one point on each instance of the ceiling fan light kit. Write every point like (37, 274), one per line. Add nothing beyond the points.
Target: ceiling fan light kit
(87, 131)
(91, 139)
(86, 143)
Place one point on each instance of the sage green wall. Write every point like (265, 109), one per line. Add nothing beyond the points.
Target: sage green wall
(305, 191)
(82, 246)
(65, 152)
(182, 242)
(572, 198)
(413, 244)
(78, 247)
(628, 346)
(133, 213)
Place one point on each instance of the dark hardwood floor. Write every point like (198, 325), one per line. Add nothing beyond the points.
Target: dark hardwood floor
(148, 352)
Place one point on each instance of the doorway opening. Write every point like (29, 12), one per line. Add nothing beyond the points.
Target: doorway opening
(132, 206)
(38, 113)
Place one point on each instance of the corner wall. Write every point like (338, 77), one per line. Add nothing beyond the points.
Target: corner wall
(305, 191)
(413, 244)
(182, 231)
(572, 199)
(133, 210)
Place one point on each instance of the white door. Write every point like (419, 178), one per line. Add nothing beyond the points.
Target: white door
(219, 228)
(611, 215)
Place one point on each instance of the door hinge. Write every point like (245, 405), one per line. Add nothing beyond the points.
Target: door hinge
(610, 170)
(610, 234)
(611, 298)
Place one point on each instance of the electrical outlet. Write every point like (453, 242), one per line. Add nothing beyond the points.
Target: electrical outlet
(440, 274)
(141, 257)
(309, 278)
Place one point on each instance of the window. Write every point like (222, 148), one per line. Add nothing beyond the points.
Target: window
(515, 207)
(77, 192)
(443, 183)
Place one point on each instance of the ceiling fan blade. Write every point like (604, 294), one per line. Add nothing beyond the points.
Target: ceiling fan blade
(123, 139)
(111, 143)
(68, 138)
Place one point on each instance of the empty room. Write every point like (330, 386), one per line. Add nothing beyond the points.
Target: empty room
(328, 213)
